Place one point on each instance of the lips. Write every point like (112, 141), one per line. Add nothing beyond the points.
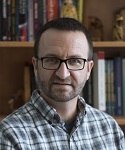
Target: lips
(60, 83)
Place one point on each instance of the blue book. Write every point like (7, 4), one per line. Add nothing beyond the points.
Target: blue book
(118, 85)
(123, 84)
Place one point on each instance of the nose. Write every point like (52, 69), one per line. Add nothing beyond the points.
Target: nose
(63, 72)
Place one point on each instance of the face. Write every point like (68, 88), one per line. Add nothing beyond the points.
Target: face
(62, 84)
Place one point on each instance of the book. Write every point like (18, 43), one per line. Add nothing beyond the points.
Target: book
(30, 18)
(118, 85)
(112, 87)
(108, 86)
(123, 84)
(36, 17)
(17, 19)
(13, 23)
(22, 26)
(4, 20)
(9, 25)
(99, 81)
(42, 12)
(110, 98)
(52, 9)
(79, 7)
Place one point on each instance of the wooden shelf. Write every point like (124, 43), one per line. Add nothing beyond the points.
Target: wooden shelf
(2, 117)
(120, 120)
(16, 44)
(31, 44)
(109, 44)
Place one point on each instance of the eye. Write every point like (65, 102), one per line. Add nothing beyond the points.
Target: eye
(51, 60)
(76, 61)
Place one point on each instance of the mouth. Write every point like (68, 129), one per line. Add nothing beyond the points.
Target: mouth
(61, 84)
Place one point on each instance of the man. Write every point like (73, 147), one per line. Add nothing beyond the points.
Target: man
(56, 117)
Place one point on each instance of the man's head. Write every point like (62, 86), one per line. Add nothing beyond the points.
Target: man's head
(65, 24)
(63, 59)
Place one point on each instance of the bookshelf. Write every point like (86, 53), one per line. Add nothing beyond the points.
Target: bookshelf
(19, 53)
(15, 54)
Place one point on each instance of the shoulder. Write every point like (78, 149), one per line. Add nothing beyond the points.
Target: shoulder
(101, 119)
(17, 119)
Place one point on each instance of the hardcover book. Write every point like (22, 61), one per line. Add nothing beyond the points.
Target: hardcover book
(118, 85)
(123, 85)
(99, 81)
(4, 20)
(52, 8)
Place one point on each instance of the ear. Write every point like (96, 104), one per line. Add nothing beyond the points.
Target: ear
(90, 66)
(34, 62)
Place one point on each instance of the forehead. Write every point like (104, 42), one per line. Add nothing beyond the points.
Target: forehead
(62, 42)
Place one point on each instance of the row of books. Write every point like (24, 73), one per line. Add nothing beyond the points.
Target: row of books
(20, 20)
(105, 90)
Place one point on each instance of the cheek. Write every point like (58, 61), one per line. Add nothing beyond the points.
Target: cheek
(79, 76)
(45, 75)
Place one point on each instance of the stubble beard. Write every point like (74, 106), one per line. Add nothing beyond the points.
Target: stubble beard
(56, 94)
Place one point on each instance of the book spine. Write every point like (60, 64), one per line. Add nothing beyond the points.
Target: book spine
(112, 87)
(13, 20)
(118, 86)
(36, 17)
(22, 27)
(52, 9)
(44, 12)
(17, 19)
(30, 21)
(108, 86)
(123, 85)
(9, 27)
(99, 81)
(4, 20)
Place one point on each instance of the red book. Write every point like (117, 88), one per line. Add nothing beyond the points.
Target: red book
(52, 9)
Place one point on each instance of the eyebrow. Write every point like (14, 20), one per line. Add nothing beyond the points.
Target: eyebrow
(55, 55)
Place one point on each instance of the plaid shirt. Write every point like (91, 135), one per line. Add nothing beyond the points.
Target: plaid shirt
(37, 126)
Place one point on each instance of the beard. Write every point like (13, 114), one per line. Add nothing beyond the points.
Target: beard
(59, 94)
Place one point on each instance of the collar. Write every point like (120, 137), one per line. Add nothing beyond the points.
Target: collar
(50, 114)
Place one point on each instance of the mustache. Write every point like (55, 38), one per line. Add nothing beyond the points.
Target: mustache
(56, 79)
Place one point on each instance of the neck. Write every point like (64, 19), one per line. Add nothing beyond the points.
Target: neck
(66, 110)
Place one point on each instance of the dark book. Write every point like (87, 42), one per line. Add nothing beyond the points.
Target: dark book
(118, 85)
(30, 18)
(13, 23)
(36, 17)
(17, 19)
(9, 25)
(42, 12)
(4, 20)
(22, 26)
